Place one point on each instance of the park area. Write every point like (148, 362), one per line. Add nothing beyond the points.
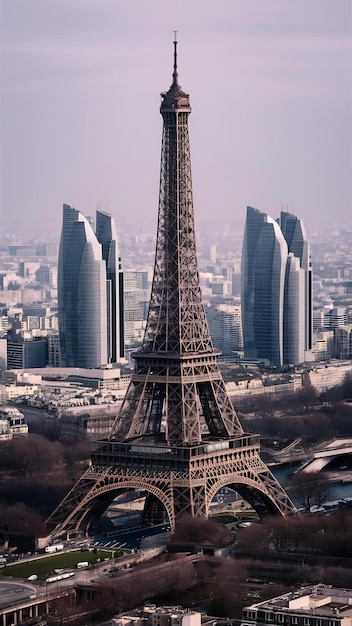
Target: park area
(45, 566)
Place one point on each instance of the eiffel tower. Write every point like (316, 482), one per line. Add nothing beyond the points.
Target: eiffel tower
(177, 436)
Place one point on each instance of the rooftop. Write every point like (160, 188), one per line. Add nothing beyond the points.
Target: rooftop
(323, 600)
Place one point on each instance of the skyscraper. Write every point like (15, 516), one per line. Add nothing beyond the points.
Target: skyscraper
(264, 258)
(88, 291)
(294, 232)
(106, 235)
(276, 289)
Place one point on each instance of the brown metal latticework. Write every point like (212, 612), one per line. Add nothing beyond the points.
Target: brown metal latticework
(177, 436)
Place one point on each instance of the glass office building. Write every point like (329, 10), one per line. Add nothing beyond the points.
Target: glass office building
(106, 235)
(294, 232)
(276, 289)
(294, 312)
(82, 294)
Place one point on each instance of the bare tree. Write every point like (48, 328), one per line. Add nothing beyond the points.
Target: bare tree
(20, 518)
(33, 454)
(311, 489)
(199, 530)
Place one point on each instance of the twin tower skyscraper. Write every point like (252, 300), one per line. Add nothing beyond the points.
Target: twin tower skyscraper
(276, 289)
(89, 291)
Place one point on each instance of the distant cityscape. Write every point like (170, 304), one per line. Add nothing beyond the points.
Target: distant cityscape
(29, 297)
(29, 338)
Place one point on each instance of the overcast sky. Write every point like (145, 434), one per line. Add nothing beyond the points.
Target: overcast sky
(270, 90)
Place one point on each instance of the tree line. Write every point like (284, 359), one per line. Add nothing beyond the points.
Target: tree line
(35, 475)
(314, 424)
(36, 455)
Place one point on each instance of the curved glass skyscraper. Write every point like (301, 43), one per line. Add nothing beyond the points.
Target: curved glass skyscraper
(263, 277)
(82, 294)
(276, 293)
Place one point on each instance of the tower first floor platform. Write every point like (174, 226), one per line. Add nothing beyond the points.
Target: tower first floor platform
(178, 480)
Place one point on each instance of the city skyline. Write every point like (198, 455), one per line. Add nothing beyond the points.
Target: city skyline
(72, 111)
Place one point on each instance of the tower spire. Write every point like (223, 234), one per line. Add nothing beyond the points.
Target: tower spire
(174, 98)
(175, 74)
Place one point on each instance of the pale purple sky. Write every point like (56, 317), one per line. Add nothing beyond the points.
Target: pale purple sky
(270, 90)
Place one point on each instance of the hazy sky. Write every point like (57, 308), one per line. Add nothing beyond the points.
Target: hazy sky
(270, 90)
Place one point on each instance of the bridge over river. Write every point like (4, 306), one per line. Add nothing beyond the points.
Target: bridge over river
(316, 458)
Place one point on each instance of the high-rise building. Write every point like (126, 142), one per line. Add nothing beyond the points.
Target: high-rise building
(264, 258)
(276, 289)
(343, 342)
(106, 235)
(294, 328)
(225, 327)
(136, 294)
(82, 294)
(294, 232)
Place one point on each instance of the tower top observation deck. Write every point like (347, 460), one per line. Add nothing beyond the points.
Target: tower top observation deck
(175, 98)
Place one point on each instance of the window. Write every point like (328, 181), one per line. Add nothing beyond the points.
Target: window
(253, 615)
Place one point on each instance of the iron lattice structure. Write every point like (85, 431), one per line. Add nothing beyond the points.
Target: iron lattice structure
(177, 436)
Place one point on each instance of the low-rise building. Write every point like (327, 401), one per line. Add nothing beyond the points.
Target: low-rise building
(12, 422)
(152, 615)
(5, 434)
(82, 423)
(326, 376)
(314, 605)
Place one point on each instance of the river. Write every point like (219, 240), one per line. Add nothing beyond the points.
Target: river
(338, 490)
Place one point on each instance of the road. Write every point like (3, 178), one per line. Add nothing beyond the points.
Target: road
(14, 593)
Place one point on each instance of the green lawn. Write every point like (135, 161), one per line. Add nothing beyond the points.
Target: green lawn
(46, 566)
(230, 516)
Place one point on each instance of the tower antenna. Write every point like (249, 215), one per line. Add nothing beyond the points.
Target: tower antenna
(175, 74)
